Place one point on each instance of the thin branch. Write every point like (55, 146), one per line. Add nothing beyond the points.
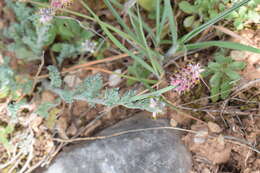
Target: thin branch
(88, 64)
(122, 133)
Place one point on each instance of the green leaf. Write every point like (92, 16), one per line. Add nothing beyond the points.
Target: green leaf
(137, 70)
(67, 28)
(225, 89)
(23, 52)
(90, 87)
(223, 44)
(214, 93)
(234, 14)
(187, 7)
(49, 34)
(238, 24)
(153, 94)
(43, 109)
(216, 79)
(106, 28)
(214, 66)
(86, 35)
(206, 72)
(173, 25)
(232, 74)
(4, 131)
(4, 92)
(222, 59)
(213, 13)
(55, 77)
(242, 11)
(67, 51)
(148, 5)
(9, 129)
(236, 66)
(211, 22)
(112, 97)
(57, 47)
(188, 21)
(13, 108)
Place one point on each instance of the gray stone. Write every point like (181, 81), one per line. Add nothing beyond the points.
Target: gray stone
(150, 151)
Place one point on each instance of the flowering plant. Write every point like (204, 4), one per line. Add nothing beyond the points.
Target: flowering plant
(186, 78)
(223, 76)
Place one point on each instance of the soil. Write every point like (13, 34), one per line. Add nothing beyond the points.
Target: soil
(227, 132)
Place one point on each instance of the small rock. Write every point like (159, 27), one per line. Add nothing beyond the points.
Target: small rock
(201, 136)
(114, 79)
(72, 80)
(47, 96)
(238, 55)
(173, 122)
(213, 127)
(221, 140)
(205, 170)
(145, 151)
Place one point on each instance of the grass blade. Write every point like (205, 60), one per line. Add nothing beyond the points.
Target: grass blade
(222, 44)
(173, 26)
(104, 27)
(152, 94)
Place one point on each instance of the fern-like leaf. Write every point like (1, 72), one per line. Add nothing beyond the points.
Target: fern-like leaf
(90, 91)
(54, 74)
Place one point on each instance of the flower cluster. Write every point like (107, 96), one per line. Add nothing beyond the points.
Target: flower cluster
(88, 46)
(47, 14)
(185, 79)
(61, 3)
(157, 106)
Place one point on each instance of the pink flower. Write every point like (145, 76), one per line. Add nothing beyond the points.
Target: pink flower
(61, 3)
(56, 4)
(187, 78)
(46, 15)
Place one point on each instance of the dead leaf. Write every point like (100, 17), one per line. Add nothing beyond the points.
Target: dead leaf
(52, 118)
(61, 126)
(35, 123)
(213, 127)
(47, 96)
(72, 130)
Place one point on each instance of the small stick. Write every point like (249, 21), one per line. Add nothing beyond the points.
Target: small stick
(77, 67)
(121, 133)
(113, 58)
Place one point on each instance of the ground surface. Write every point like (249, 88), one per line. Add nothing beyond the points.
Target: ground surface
(227, 132)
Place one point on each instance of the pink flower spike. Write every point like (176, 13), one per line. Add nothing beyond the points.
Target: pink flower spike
(46, 15)
(56, 4)
(186, 78)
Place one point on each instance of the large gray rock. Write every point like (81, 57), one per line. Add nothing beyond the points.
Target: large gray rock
(152, 151)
